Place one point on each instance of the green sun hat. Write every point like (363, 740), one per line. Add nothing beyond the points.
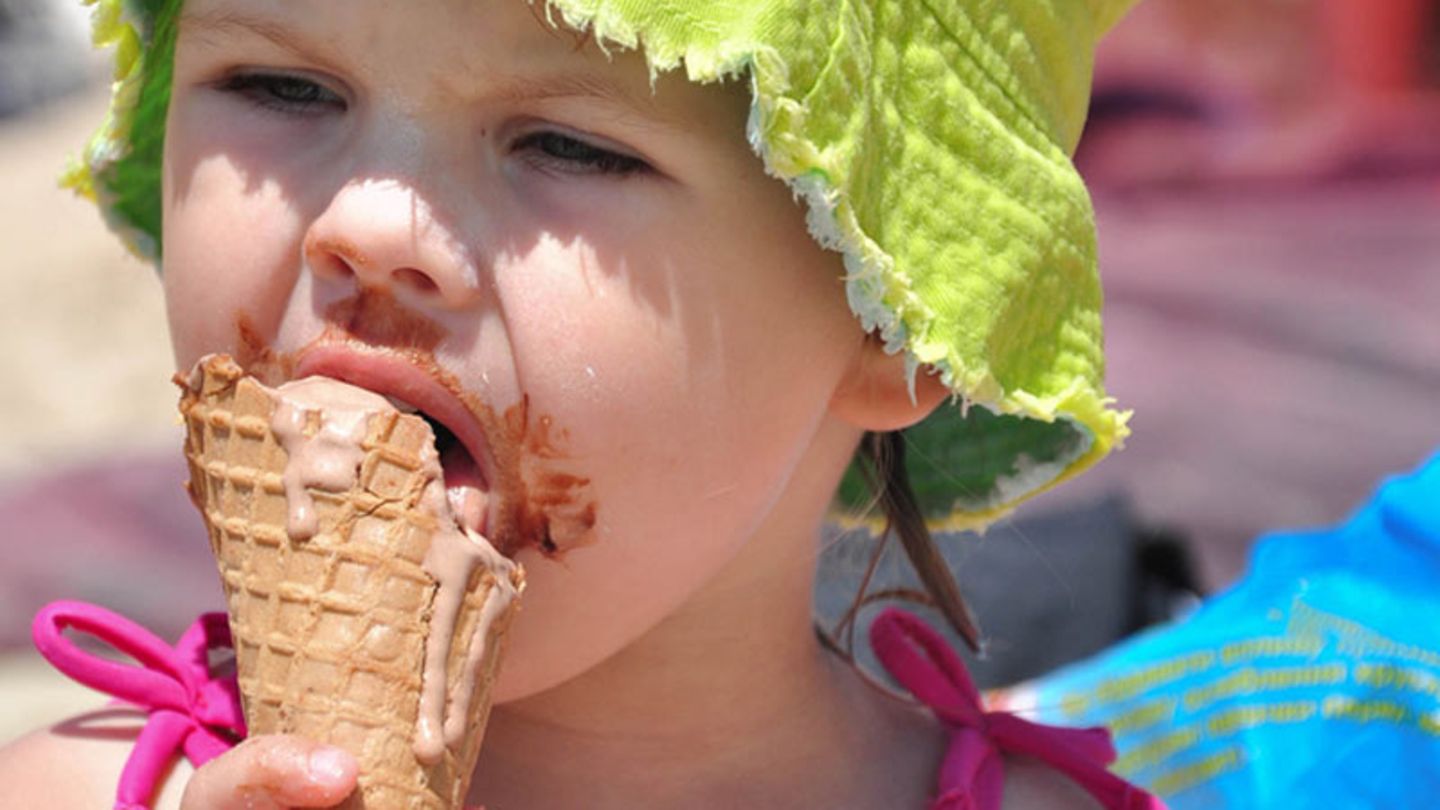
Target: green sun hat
(931, 141)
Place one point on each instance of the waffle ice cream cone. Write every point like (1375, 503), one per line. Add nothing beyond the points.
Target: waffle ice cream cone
(333, 623)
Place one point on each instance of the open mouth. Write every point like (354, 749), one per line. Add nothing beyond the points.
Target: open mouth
(460, 442)
(464, 485)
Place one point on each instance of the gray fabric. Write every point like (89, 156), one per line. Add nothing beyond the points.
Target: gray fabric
(1047, 589)
(44, 52)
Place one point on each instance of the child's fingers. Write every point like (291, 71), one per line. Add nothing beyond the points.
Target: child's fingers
(272, 772)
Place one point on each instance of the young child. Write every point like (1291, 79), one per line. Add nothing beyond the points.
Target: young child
(534, 206)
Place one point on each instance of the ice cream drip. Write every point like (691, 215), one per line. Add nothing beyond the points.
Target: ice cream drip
(453, 557)
(322, 425)
(328, 458)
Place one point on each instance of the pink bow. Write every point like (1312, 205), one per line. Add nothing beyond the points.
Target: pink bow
(190, 711)
(972, 774)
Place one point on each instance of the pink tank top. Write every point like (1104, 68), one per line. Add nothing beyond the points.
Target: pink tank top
(198, 715)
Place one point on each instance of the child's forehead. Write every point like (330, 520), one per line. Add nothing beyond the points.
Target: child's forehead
(483, 31)
(462, 48)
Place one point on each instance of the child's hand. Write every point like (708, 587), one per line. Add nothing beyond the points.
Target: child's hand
(272, 772)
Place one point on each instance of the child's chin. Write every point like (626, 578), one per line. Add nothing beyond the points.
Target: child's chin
(541, 656)
(517, 681)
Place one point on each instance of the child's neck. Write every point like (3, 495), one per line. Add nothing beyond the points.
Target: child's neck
(730, 702)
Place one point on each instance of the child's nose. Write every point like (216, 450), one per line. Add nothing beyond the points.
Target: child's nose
(381, 233)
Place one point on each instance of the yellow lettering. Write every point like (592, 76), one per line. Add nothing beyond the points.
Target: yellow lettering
(1391, 675)
(1233, 720)
(1157, 750)
(1074, 705)
(1430, 725)
(1118, 689)
(1144, 716)
(1294, 712)
(1188, 776)
(1363, 711)
(1249, 680)
(1271, 647)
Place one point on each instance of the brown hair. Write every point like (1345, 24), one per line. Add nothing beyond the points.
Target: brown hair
(882, 460)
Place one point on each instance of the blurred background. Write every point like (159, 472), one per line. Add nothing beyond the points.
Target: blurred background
(1267, 179)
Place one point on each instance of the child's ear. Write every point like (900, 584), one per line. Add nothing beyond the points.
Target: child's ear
(875, 396)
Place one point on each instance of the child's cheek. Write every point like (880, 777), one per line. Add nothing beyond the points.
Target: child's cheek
(231, 248)
(625, 362)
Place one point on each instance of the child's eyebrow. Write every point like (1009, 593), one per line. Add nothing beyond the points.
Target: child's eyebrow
(505, 89)
(230, 22)
(579, 85)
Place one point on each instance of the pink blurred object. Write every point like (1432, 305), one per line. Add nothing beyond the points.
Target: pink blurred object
(1270, 93)
(189, 711)
(119, 532)
(1377, 46)
(1280, 348)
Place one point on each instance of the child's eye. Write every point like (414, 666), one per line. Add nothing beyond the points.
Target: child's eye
(281, 92)
(563, 153)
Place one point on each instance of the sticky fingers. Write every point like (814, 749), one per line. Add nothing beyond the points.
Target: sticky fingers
(273, 772)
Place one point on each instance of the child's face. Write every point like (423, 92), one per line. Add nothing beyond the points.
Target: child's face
(455, 188)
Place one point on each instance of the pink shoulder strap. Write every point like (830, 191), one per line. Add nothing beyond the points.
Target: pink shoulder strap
(189, 710)
(972, 774)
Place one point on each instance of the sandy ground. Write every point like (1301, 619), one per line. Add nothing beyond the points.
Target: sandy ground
(88, 359)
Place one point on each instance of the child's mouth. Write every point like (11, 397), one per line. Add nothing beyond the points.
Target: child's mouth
(498, 470)
(458, 434)
(464, 486)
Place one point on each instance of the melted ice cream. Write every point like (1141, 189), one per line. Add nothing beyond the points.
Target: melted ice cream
(322, 424)
(329, 459)
(452, 559)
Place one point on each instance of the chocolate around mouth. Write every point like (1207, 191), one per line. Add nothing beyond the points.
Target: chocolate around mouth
(519, 493)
